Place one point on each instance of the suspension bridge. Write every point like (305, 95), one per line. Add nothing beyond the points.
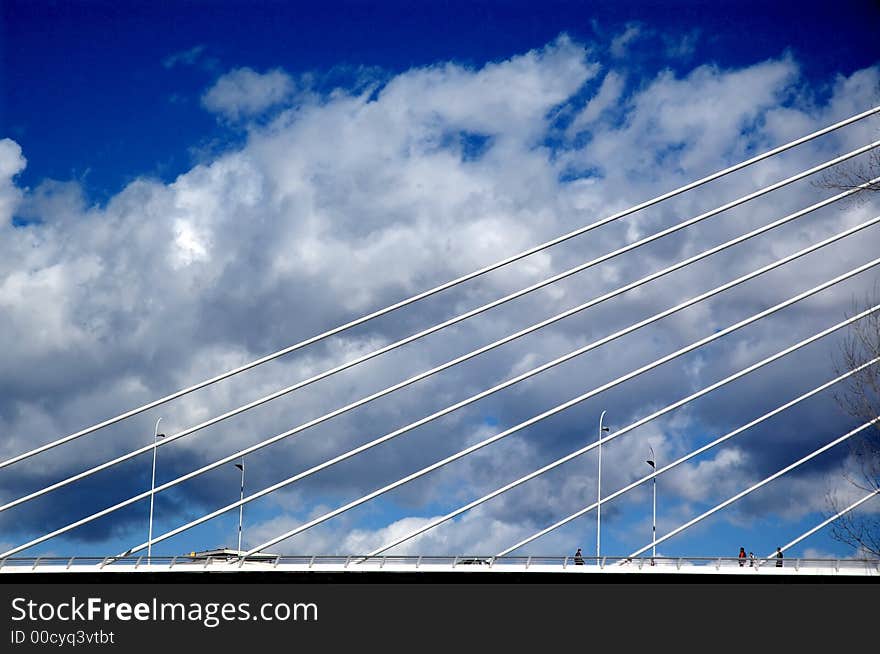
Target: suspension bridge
(644, 560)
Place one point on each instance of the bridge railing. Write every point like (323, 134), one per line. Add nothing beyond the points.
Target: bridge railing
(463, 562)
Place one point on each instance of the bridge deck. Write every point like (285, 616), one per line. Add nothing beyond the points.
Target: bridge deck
(543, 566)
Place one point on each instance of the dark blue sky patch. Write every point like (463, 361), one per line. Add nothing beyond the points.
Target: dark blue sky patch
(20, 222)
(665, 159)
(573, 174)
(473, 145)
(103, 102)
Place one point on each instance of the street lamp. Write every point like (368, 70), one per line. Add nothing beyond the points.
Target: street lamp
(599, 492)
(156, 437)
(652, 462)
(240, 466)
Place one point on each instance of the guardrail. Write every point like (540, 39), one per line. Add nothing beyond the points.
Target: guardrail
(354, 563)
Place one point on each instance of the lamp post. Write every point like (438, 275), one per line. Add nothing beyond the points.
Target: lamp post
(599, 492)
(156, 437)
(240, 466)
(652, 462)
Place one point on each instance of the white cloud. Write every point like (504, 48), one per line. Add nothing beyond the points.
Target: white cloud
(474, 533)
(12, 162)
(350, 203)
(813, 553)
(606, 97)
(622, 41)
(681, 47)
(186, 57)
(243, 93)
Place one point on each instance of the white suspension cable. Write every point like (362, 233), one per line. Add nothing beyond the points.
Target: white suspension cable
(439, 288)
(559, 408)
(826, 522)
(454, 407)
(755, 487)
(449, 364)
(447, 323)
(659, 471)
(447, 410)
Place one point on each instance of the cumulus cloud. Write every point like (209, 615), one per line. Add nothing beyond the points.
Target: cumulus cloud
(354, 200)
(244, 93)
(12, 162)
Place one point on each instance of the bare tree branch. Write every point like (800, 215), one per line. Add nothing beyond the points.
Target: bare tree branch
(851, 175)
(860, 398)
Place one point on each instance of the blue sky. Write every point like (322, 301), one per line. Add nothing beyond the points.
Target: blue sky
(189, 186)
(100, 64)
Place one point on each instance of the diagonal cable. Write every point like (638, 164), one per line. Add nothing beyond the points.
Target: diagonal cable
(447, 410)
(826, 522)
(393, 434)
(212, 421)
(437, 289)
(380, 440)
(561, 407)
(659, 471)
(755, 487)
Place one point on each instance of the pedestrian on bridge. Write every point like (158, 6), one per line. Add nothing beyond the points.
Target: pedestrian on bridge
(778, 557)
(578, 557)
(742, 556)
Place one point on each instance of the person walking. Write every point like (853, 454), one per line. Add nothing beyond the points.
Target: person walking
(742, 556)
(778, 557)
(578, 557)
(751, 559)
